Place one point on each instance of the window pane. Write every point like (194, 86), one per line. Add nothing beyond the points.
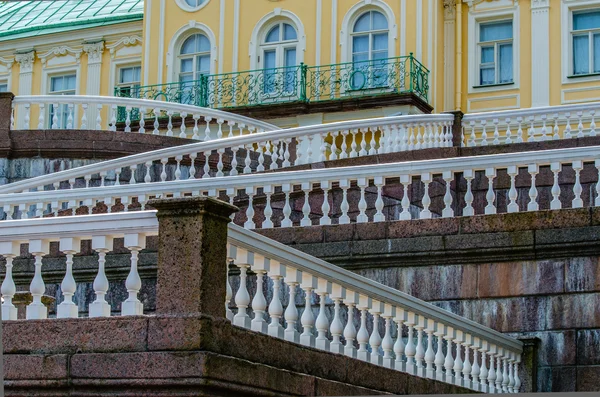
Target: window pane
(597, 53)
(126, 75)
(186, 77)
(496, 31)
(360, 44)
(505, 62)
(363, 24)
(289, 33)
(379, 21)
(189, 45)
(202, 43)
(3, 87)
(487, 76)
(380, 42)
(187, 65)
(581, 54)
(194, 3)
(380, 55)
(273, 35)
(137, 73)
(270, 59)
(359, 57)
(203, 64)
(487, 55)
(56, 84)
(586, 20)
(70, 82)
(290, 57)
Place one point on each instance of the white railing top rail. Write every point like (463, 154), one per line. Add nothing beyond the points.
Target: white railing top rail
(387, 170)
(201, 147)
(142, 103)
(145, 222)
(531, 112)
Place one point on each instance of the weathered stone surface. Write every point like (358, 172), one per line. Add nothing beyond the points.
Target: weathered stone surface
(35, 366)
(557, 379)
(588, 347)
(588, 379)
(573, 311)
(582, 274)
(521, 278)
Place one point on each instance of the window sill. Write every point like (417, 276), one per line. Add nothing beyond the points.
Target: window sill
(493, 85)
(576, 76)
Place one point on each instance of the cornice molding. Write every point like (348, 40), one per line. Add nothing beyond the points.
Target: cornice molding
(60, 51)
(125, 41)
(8, 62)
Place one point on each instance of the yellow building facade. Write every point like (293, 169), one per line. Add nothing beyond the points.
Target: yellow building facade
(340, 58)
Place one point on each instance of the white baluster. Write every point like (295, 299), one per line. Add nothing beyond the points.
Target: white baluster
(206, 168)
(449, 360)
(567, 134)
(170, 123)
(333, 148)
(429, 354)
(234, 162)
(292, 279)
(466, 370)
(195, 130)
(505, 380)
(531, 131)
(484, 141)
(249, 224)
(261, 157)
(577, 189)
(556, 203)
(147, 177)
(491, 378)
(556, 130)
(41, 118)
(372, 142)
(499, 376)
(379, 205)
(322, 323)
(544, 136)
(127, 119)
(325, 207)
(286, 153)
(259, 302)
(362, 337)
(287, 209)
(469, 175)
(387, 344)
(496, 132)
(420, 350)
(475, 369)
(229, 290)
(458, 362)
(350, 329)
(9, 250)
(593, 123)
(520, 129)
(344, 147)
(242, 297)
(490, 173)
(533, 192)
(336, 328)
(362, 203)
(220, 162)
(410, 349)
(163, 173)
(268, 212)
(344, 206)
(353, 152)
(322, 147)
(508, 131)
(511, 374)
(142, 130)
(307, 338)
(83, 125)
(439, 354)
(483, 373)
(67, 308)
(448, 212)
(425, 212)
(276, 273)
(306, 187)
(597, 202)
(580, 124)
(473, 135)
(517, 387)
(132, 306)
(399, 346)
(36, 309)
(375, 338)
(274, 155)
(56, 109)
(101, 308)
(405, 180)
(512, 193)
(247, 161)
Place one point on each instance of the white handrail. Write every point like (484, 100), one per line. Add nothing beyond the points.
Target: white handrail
(305, 133)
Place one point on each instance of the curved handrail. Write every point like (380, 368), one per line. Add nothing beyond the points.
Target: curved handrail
(143, 103)
(236, 141)
(529, 112)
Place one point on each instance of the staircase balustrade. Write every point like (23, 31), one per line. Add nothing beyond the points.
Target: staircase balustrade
(339, 311)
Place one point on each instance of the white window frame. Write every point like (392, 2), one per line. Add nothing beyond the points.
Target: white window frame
(47, 116)
(186, 7)
(47, 74)
(4, 82)
(496, 44)
(117, 64)
(118, 75)
(194, 57)
(475, 19)
(568, 7)
(173, 59)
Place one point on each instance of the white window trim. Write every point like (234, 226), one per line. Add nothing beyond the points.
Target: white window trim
(8, 63)
(474, 56)
(567, 8)
(265, 24)
(114, 71)
(179, 37)
(283, 45)
(47, 74)
(186, 7)
(357, 11)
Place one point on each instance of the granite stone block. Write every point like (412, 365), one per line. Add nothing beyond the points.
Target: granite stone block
(521, 278)
(35, 366)
(573, 311)
(582, 274)
(588, 347)
(588, 379)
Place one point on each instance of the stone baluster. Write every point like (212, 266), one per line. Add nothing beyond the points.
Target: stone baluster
(373, 143)
(484, 141)
(399, 346)
(261, 157)
(260, 266)
(512, 193)
(593, 123)
(426, 201)
(567, 133)
(505, 379)
(268, 212)
(249, 224)
(580, 124)
(9, 250)
(344, 206)
(405, 180)
(483, 372)
(467, 367)
(533, 192)
(429, 354)
(67, 308)
(387, 344)
(100, 307)
(473, 136)
(307, 338)
(458, 362)
(449, 360)
(410, 349)
(242, 297)
(420, 349)
(475, 369)
(362, 203)
(247, 160)
(132, 306)
(439, 354)
(511, 374)
(499, 374)
(363, 335)
(325, 207)
(508, 131)
(336, 328)
(379, 204)
(344, 146)
(490, 208)
(517, 387)
(520, 129)
(351, 300)
(496, 140)
(556, 204)
(353, 152)
(322, 323)
(577, 189)
(286, 188)
(491, 378)
(293, 277)
(306, 188)
(375, 339)
(448, 212)
(531, 131)
(469, 175)
(544, 136)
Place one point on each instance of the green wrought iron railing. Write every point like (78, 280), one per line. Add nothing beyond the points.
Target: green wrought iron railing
(300, 83)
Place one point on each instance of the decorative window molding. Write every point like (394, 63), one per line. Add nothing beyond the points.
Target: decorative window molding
(47, 74)
(356, 12)
(484, 12)
(193, 27)
(568, 7)
(192, 5)
(115, 66)
(60, 51)
(265, 24)
(6, 76)
(127, 41)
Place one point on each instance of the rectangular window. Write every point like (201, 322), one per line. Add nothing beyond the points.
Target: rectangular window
(585, 37)
(3, 86)
(61, 85)
(495, 48)
(129, 81)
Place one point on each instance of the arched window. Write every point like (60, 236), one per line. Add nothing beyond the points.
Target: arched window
(194, 61)
(277, 56)
(370, 50)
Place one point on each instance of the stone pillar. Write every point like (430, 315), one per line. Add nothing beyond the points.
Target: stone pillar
(540, 51)
(529, 364)
(5, 114)
(192, 256)
(94, 52)
(25, 61)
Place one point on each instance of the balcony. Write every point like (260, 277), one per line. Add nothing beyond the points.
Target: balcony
(399, 77)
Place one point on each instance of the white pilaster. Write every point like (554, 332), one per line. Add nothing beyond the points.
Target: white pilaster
(25, 61)
(449, 53)
(94, 53)
(540, 52)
